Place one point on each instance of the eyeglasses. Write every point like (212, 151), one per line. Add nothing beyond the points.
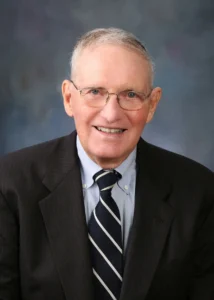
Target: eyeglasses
(98, 96)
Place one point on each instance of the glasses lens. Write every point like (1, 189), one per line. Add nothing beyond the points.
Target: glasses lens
(131, 100)
(95, 97)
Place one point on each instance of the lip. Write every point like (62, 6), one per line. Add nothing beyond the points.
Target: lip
(109, 127)
(109, 134)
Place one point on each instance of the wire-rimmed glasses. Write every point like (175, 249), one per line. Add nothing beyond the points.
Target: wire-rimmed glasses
(97, 97)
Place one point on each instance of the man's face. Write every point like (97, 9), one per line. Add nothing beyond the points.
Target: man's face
(115, 68)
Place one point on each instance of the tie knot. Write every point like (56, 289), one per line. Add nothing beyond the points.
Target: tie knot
(106, 179)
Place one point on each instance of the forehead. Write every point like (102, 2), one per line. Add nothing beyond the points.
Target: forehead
(111, 66)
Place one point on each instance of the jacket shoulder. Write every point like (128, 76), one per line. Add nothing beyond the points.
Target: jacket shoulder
(173, 163)
(30, 154)
(33, 161)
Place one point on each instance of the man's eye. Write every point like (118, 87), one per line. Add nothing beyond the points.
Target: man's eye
(131, 94)
(94, 91)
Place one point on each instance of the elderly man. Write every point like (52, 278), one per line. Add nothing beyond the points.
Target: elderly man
(102, 214)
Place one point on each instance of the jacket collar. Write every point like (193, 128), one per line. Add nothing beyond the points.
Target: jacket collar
(152, 218)
(64, 218)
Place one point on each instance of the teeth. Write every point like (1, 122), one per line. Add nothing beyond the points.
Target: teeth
(110, 130)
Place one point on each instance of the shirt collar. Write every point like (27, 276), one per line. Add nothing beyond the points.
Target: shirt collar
(89, 168)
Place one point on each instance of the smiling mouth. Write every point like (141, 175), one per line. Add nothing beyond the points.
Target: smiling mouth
(109, 130)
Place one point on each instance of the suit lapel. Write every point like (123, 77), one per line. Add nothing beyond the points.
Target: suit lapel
(152, 219)
(64, 218)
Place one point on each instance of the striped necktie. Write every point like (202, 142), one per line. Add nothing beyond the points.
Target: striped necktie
(106, 239)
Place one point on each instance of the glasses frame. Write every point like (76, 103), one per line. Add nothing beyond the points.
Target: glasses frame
(118, 98)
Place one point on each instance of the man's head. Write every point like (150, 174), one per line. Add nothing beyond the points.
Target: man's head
(115, 61)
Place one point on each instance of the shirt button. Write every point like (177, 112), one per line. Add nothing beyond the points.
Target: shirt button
(84, 186)
(126, 187)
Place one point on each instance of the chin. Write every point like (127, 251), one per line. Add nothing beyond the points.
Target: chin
(108, 157)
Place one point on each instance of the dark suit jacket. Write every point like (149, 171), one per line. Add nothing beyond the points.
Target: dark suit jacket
(44, 248)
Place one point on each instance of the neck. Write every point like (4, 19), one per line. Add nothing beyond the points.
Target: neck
(108, 163)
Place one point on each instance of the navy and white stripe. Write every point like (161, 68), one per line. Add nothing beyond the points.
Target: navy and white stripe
(105, 237)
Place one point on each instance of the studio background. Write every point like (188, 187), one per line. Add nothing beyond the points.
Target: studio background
(36, 40)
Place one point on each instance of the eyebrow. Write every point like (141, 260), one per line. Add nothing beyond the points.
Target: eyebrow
(95, 86)
(121, 90)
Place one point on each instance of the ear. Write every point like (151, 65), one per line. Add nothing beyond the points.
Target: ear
(153, 102)
(67, 97)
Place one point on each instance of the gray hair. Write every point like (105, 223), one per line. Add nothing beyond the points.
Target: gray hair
(111, 36)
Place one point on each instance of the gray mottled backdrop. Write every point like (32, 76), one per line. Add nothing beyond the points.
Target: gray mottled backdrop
(37, 36)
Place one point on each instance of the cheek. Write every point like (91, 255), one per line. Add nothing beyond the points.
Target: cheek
(83, 116)
(138, 118)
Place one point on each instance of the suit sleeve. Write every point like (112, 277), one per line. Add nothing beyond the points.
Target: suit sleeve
(203, 279)
(9, 270)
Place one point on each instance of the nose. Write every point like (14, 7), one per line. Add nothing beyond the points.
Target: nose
(112, 111)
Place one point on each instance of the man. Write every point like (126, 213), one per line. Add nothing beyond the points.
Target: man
(102, 214)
